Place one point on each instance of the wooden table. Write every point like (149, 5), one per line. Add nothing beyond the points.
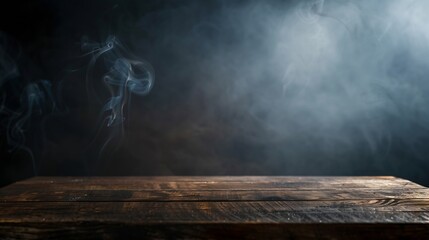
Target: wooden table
(214, 207)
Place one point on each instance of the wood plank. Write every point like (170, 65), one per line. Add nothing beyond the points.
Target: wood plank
(129, 179)
(215, 208)
(279, 184)
(215, 179)
(217, 212)
(207, 195)
(85, 231)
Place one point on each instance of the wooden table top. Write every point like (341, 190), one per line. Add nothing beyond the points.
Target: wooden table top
(214, 207)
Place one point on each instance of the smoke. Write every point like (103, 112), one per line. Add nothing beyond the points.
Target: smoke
(25, 102)
(243, 87)
(122, 78)
(297, 88)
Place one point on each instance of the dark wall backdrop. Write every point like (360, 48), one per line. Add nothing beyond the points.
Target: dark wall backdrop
(310, 87)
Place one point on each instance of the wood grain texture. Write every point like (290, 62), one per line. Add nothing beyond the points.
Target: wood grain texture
(214, 208)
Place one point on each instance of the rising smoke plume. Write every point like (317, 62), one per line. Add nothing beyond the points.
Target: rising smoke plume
(122, 77)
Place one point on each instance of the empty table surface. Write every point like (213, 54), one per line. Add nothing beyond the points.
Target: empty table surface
(251, 207)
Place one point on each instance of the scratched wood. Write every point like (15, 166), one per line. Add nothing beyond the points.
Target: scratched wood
(214, 208)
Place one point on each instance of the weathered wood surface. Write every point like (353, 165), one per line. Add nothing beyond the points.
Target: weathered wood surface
(214, 208)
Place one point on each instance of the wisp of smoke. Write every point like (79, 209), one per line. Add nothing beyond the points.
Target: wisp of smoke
(26, 105)
(33, 103)
(122, 76)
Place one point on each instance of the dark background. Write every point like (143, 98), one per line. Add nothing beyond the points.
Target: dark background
(241, 88)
